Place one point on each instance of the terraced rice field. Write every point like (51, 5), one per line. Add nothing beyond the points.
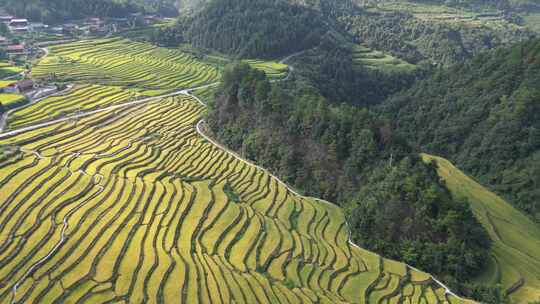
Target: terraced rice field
(134, 205)
(78, 98)
(272, 69)
(7, 69)
(377, 60)
(124, 63)
(8, 99)
(515, 262)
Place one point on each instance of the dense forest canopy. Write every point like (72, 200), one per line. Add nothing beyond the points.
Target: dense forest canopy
(485, 116)
(249, 28)
(396, 204)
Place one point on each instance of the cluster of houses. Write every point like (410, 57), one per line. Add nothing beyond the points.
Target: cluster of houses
(89, 26)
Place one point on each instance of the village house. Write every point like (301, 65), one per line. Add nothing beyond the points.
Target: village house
(19, 25)
(21, 86)
(16, 49)
(96, 25)
(96, 21)
(70, 28)
(149, 19)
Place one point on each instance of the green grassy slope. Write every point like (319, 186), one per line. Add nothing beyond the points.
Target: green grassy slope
(516, 239)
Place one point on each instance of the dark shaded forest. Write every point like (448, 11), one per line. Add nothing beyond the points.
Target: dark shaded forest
(251, 28)
(484, 115)
(338, 78)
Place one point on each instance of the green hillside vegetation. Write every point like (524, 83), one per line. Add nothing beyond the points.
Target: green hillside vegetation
(515, 259)
(251, 28)
(346, 155)
(435, 34)
(334, 69)
(416, 32)
(484, 116)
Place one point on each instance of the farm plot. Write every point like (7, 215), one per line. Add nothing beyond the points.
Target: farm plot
(377, 60)
(515, 253)
(7, 70)
(272, 69)
(8, 100)
(133, 205)
(78, 98)
(125, 63)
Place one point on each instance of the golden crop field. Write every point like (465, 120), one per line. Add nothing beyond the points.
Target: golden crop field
(76, 99)
(134, 205)
(124, 63)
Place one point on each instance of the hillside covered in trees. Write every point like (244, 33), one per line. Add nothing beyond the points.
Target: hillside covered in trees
(395, 203)
(249, 28)
(484, 115)
(273, 28)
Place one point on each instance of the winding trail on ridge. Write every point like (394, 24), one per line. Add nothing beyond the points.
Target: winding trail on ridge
(187, 92)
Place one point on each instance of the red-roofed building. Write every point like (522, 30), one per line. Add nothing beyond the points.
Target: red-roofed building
(16, 49)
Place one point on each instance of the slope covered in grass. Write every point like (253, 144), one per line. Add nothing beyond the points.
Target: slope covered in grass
(515, 258)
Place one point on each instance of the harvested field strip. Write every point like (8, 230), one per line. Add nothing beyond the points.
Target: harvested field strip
(152, 212)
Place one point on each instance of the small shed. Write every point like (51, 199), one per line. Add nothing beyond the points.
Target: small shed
(21, 86)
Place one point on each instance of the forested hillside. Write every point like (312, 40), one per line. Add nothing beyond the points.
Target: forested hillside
(248, 28)
(413, 32)
(485, 116)
(395, 203)
(338, 77)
